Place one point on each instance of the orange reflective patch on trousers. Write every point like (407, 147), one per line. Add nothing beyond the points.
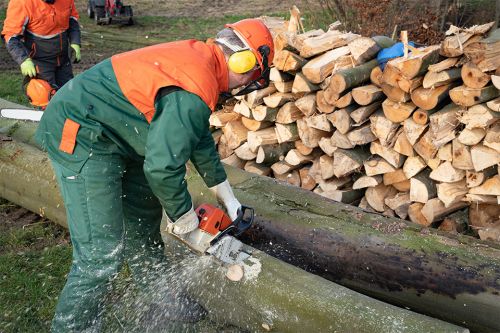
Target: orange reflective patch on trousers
(68, 140)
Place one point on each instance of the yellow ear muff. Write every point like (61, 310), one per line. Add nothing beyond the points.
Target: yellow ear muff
(242, 62)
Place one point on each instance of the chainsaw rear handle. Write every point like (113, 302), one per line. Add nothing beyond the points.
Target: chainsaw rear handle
(244, 220)
(240, 225)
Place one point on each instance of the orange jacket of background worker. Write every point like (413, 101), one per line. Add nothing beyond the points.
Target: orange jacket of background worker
(38, 35)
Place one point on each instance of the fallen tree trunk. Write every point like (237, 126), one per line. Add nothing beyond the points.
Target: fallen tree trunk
(325, 306)
(378, 256)
(275, 296)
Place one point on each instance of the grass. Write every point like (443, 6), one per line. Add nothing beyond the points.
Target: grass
(11, 87)
(34, 259)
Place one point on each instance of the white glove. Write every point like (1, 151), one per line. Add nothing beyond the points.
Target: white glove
(225, 195)
(184, 224)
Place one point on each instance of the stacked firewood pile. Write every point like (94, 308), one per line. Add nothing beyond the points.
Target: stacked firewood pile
(419, 139)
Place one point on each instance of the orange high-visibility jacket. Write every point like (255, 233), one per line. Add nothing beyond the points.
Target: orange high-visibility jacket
(38, 18)
(192, 65)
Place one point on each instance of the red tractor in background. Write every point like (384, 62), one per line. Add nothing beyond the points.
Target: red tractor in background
(109, 11)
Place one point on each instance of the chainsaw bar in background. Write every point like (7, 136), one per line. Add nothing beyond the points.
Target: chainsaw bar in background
(22, 114)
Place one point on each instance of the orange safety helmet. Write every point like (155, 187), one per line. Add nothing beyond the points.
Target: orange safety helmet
(256, 35)
(39, 92)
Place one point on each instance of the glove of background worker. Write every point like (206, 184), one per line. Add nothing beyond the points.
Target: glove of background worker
(28, 68)
(76, 52)
(225, 195)
(184, 224)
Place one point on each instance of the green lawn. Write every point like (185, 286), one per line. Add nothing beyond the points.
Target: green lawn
(34, 259)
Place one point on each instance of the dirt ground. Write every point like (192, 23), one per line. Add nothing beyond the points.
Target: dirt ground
(203, 8)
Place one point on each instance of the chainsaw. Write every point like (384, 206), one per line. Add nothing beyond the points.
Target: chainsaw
(22, 114)
(216, 234)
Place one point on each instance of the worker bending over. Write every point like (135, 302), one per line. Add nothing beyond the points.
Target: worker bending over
(119, 136)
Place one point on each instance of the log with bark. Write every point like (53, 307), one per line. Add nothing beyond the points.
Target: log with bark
(251, 192)
(260, 269)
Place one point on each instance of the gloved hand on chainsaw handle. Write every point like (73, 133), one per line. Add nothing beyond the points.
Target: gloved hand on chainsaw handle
(225, 196)
(184, 224)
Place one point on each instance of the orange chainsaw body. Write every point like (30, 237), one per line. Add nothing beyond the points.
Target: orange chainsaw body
(212, 219)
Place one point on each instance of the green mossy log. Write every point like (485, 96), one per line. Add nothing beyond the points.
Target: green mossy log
(454, 278)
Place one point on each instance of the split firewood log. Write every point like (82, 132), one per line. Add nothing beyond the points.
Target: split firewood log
(492, 138)
(483, 157)
(310, 136)
(361, 135)
(327, 146)
(340, 140)
(345, 162)
(235, 133)
(286, 132)
(368, 94)
(307, 104)
(437, 79)
(413, 130)
(321, 104)
(272, 153)
(458, 39)
(479, 116)
(395, 94)
(266, 136)
(377, 166)
(462, 158)
(474, 179)
(473, 77)
(431, 98)
(360, 114)
(245, 153)
(221, 118)
(376, 196)
(397, 112)
(256, 168)
(413, 165)
(485, 53)
(452, 193)
(328, 41)
(422, 188)
(376, 76)
(384, 129)
(390, 155)
(400, 203)
(302, 85)
(446, 173)
(341, 119)
(317, 69)
(288, 113)
(465, 96)
(288, 61)
(434, 209)
(367, 181)
(264, 113)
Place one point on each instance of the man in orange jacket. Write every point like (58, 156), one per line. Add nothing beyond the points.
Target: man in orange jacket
(119, 136)
(39, 35)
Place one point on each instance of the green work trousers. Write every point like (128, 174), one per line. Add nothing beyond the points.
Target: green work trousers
(113, 217)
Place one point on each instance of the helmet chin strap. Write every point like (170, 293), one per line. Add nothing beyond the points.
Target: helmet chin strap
(263, 80)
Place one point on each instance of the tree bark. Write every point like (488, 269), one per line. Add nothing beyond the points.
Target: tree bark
(388, 264)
